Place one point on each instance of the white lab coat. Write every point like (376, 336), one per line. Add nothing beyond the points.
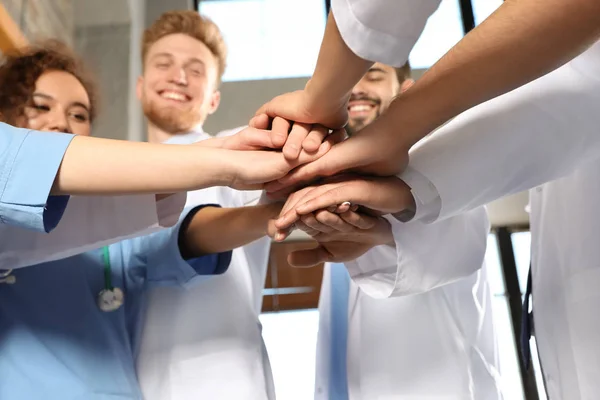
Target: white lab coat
(544, 131)
(438, 345)
(204, 341)
(437, 341)
(89, 223)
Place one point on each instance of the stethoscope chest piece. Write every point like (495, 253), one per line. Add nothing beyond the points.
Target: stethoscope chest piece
(110, 299)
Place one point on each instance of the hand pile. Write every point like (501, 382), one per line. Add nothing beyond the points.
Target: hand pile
(335, 190)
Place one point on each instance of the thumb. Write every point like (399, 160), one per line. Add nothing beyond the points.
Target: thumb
(260, 121)
(309, 258)
(279, 107)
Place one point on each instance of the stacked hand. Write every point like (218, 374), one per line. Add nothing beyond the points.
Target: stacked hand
(322, 210)
(373, 151)
(259, 156)
(343, 214)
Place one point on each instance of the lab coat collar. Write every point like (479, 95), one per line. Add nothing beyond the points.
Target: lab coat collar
(195, 135)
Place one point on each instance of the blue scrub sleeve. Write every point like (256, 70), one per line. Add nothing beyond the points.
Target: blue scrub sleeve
(29, 162)
(167, 263)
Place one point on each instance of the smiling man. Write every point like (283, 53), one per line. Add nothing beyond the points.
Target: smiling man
(436, 344)
(199, 340)
(374, 93)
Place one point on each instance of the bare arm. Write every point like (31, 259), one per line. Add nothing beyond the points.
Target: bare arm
(93, 166)
(338, 69)
(521, 41)
(215, 230)
(101, 166)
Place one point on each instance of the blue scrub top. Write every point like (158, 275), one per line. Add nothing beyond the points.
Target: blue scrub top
(29, 162)
(55, 343)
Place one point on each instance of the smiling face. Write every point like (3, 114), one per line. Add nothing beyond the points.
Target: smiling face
(371, 96)
(178, 89)
(59, 103)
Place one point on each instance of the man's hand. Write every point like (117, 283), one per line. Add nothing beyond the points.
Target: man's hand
(371, 151)
(300, 106)
(249, 170)
(328, 252)
(341, 238)
(293, 137)
(375, 195)
(265, 134)
(293, 114)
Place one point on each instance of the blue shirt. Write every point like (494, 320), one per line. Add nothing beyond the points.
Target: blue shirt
(29, 162)
(55, 343)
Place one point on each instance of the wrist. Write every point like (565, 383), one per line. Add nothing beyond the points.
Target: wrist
(404, 201)
(383, 233)
(224, 167)
(270, 212)
(321, 97)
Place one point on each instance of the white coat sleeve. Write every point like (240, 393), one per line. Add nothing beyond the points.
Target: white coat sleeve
(382, 30)
(537, 133)
(89, 223)
(425, 256)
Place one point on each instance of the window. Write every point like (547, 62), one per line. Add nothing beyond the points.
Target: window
(291, 341)
(509, 363)
(269, 38)
(443, 30)
(510, 379)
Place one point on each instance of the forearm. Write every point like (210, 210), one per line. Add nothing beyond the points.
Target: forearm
(93, 166)
(213, 142)
(542, 131)
(338, 69)
(521, 41)
(215, 230)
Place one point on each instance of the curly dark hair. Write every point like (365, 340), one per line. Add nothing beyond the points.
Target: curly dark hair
(20, 70)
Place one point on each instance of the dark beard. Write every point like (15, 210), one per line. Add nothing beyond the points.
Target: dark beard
(357, 125)
(170, 119)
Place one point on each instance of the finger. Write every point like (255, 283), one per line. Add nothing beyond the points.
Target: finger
(293, 145)
(315, 138)
(257, 139)
(294, 198)
(336, 159)
(312, 222)
(288, 214)
(333, 221)
(305, 228)
(342, 208)
(281, 235)
(353, 191)
(309, 258)
(260, 121)
(280, 129)
(360, 221)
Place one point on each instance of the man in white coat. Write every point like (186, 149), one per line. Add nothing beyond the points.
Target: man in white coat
(436, 345)
(197, 341)
(205, 341)
(544, 136)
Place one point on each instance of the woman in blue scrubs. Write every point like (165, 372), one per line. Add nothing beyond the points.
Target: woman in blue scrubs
(70, 328)
(36, 168)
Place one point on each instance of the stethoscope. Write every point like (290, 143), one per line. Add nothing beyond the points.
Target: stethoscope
(7, 277)
(110, 298)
